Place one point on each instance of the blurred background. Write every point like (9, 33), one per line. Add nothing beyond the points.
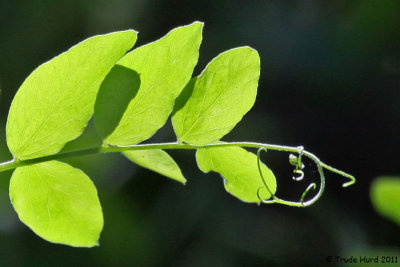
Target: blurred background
(330, 81)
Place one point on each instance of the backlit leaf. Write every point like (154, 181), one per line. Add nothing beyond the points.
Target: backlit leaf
(239, 169)
(214, 102)
(164, 66)
(55, 102)
(158, 161)
(58, 202)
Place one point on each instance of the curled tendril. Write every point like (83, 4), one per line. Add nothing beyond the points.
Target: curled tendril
(296, 161)
(312, 186)
(300, 177)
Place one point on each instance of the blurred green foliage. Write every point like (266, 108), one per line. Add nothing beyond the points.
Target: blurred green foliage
(385, 197)
(329, 81)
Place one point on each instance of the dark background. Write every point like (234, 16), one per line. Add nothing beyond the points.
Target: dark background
(330, 81)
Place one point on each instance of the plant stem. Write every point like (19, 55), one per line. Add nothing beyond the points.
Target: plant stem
(12, 164)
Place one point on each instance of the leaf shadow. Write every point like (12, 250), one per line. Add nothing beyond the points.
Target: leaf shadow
(116, 92)
(186, 93)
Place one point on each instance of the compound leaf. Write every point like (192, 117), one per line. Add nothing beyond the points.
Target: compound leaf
(158, 161)
(214, 102)
(58, 202)
(55, 102)
(385, 197)
(239, 169)
(164, 66)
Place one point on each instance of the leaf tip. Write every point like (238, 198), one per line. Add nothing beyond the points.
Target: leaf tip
(199, 25)
(179, 178)
(133, 33)
(130, 31)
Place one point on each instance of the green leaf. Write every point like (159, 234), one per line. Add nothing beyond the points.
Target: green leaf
(58, 202)
(158, 161)
(55, 102)
(214, 102)
(164, 66)
(385, 197)
(239, 169)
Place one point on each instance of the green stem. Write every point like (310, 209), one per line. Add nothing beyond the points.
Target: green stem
(12, 164)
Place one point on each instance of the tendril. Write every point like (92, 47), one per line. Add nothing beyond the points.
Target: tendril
(312, 186)
(300, 177)
(262, 177)
(296, 161)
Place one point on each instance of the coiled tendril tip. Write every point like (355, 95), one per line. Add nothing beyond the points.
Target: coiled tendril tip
(296, 161)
